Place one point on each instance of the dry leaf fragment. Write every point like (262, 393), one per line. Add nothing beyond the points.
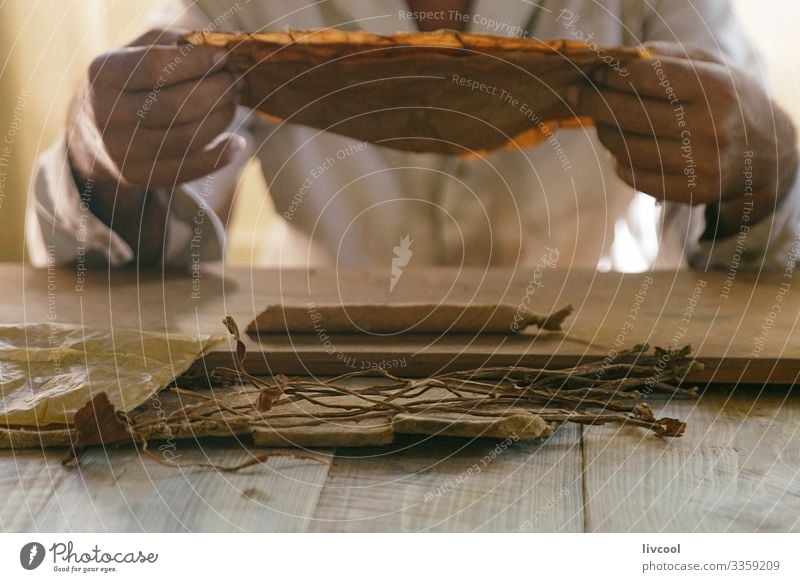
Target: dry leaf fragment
(424, 92)
(551, 322)
(672, 427)
(403, 318)
(265, 400)
(241, 351)
(98, 423)
(268, 394)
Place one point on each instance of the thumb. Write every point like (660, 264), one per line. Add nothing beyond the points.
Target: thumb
(680, 50)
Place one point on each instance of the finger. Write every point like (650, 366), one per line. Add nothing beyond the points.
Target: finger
(177, 104)
(143, 143)
(666, 186)
(666, 78)
(184, 169)
(627, 111)
(151, 68)
(639, 151)
(658, 153)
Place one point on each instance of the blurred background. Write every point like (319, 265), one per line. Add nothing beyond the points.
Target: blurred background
(46, 45)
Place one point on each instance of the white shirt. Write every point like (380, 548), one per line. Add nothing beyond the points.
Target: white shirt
(347, 203)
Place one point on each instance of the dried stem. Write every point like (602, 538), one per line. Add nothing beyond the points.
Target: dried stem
(609, 391)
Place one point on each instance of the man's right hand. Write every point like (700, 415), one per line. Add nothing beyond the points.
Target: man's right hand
(151, 115)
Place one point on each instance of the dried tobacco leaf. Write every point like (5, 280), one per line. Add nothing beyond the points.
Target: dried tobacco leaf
(442, 92)
(403, 318)
(241, 351)
(264, 401)
(672, 427)
(98, 423)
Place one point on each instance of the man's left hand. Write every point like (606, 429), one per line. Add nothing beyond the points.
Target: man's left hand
(685, 127)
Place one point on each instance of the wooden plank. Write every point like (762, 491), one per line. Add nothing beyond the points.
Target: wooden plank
(734, 322)
(28, 480)
(451, 485)
(120, 491)
(737, 469)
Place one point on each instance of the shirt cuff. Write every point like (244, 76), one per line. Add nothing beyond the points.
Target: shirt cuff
(62, 229)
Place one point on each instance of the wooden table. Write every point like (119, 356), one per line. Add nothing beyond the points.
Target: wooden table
(736, 469)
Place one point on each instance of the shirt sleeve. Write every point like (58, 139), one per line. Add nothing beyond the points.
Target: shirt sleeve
(767, 244)
(61, 229)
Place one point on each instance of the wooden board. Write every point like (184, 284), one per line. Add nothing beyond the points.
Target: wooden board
(28, 480)
(737, 469)
(453, 485)
(117, 490)
(725, 321)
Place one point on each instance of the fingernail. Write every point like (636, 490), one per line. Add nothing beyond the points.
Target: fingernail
(573, 95)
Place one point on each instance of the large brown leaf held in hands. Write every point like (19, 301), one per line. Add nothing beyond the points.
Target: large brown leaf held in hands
(442, 92)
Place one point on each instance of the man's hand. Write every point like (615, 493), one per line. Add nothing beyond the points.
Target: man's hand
(151, 115)
(684, 127)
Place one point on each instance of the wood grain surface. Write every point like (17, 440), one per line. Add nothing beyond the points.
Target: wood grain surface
(737, 468)
(743, 328)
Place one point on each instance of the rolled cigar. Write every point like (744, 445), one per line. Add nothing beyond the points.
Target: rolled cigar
(403, 318)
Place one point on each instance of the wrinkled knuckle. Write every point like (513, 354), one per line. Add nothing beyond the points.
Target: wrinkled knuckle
(170, 107)
(99, 69)
(150, 69)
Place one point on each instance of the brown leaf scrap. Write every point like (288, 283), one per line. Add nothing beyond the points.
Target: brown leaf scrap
(98, 423)
(265, 400)
(421, 92)
(241, 351)
(671, 427)
(268, 394)
(553, 321)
